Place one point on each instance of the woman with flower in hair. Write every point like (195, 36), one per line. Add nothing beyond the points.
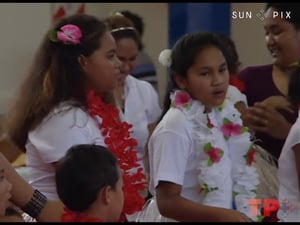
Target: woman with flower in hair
(201, 156)
(66, 100)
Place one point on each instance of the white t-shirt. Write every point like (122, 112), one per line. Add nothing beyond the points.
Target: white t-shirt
(64, 127)
(289, 196)
(180, 151)
(141, 109)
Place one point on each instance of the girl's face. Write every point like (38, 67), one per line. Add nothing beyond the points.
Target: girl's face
(127, 51)
(208, 78)
(102, 67)
(281, 39)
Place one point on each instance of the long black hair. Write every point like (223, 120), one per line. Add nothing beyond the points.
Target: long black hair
(294, 88)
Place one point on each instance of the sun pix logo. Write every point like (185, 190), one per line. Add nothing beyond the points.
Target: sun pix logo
(246, 14)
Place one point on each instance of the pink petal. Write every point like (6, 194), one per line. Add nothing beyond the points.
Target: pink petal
(236, 129)
(182, 98)
(69, 34)
(215, 154)
(227, 129)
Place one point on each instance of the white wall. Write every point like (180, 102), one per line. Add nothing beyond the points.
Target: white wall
(24, 24)
(248, 34)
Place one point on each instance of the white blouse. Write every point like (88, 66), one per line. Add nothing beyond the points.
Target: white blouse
(141, 109)
(289, 196)
(64, 127)
(209, 162)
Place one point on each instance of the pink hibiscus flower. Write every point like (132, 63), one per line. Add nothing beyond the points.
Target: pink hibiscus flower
(215, 154)
(182, 99)
(230, 129)
(69, 34)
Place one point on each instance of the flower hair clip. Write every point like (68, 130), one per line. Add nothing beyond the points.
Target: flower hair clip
(165, 57)
(68, 34)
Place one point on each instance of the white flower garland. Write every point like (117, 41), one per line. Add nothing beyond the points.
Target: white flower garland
(224, 169)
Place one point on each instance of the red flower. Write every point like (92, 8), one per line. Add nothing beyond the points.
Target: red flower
(250, 155)
(209, 123)
(117, 138)
(71, 216)
(235, 81)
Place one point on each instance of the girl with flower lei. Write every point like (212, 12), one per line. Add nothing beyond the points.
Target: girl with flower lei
(66, 100)
(201, 156)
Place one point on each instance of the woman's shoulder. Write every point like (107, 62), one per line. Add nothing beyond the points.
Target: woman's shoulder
(175, 120)
(133, 81)
(145, 89)
(66, 113)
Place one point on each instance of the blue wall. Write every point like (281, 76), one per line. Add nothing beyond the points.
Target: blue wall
(190, 17)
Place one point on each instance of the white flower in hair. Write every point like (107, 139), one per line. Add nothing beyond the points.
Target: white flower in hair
(165, 57)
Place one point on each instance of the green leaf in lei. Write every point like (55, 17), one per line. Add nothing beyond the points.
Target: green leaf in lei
(221, 107)
(259, 218)
(205, 189)
(226, 121)
(52, 35)
(244, 129)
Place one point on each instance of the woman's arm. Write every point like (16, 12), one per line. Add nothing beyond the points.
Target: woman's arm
(172, 205)
(8, 149)
(22, 193)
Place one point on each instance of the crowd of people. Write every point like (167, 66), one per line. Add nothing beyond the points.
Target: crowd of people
(100, 148)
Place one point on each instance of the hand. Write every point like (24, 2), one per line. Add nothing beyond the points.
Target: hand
(265, 118)
(278, 102)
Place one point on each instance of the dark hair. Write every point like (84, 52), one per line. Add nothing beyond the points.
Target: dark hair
(230, 54)
(183, 56)
(294, 8)
(137, 21)
(121, 27)
(293, 88)
(55, 76)
(82, 173)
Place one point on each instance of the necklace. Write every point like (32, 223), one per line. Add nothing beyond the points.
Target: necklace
(71, 216)
(117, 138)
